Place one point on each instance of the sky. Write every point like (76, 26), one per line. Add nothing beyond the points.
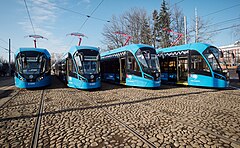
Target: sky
(51, 20)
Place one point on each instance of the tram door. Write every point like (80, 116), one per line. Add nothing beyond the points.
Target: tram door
(122, 70)
(182, 72)
(172, 69)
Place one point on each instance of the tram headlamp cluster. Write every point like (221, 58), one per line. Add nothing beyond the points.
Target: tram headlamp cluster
(219, 77)
(98, 78)
(148, 77)
(22, 79)
(40, 78)
(82, 79)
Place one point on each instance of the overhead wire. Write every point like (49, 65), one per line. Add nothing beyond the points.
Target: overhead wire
(4, 48)
(221, 10)
(4, 41)
(223, 22)
(29, 16)
(87, 19)
(79, 13)
(7, 43)
(90, 15)
(233, 26)
(175, 4)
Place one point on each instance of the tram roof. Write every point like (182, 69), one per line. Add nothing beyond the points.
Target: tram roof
(200, 47)
(73, 49)
(42, 50)
(133, 48)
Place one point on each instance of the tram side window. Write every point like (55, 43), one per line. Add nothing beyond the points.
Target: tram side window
(172, 65)
(164, 66)
(132, 64)
(198, 64)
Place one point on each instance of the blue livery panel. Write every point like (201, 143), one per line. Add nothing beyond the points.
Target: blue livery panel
(137, 81)
(32, 68)
(41, 83)
(206, 81)
(75, 83)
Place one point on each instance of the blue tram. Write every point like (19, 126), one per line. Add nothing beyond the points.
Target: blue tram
(32, 68)
(192, 64)
(80, 68)
(132, 65)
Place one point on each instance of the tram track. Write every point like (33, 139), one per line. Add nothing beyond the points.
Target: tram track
(150, 107)
(36, 130)
(169, 114)
(237, 88)
(134, 132)
(21, 118)
(194, 126)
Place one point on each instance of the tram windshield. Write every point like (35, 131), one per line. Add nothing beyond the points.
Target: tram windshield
(88, 64)
(212, 56)
(31, 62)
(148, 59)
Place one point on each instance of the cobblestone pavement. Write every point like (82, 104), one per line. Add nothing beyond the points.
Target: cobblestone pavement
(17, 119)
(119, 116)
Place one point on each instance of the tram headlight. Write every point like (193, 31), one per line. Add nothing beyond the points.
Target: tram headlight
(148, 77)
(82, 79)
(98, 78)
(40, 78)
(22, 79)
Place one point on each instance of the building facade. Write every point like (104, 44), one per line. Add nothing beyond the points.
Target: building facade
(231, 54)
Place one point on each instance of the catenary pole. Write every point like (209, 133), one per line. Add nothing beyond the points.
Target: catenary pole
(196, 29)
(185, 29)
(9, 56)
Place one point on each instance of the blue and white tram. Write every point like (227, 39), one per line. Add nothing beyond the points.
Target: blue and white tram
(32, 68)
(80, 67)
(192, 64)
(132, 65)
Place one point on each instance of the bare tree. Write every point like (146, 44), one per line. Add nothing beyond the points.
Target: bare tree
(2, 60)
(204, 35)
(111, 39)
(138, 25)
(177, 23)
(134, 23)
(155, 28)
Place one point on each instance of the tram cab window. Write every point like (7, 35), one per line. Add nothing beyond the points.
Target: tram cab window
(212, 56)
(79, 64)
(198, 64)
(132, 63)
